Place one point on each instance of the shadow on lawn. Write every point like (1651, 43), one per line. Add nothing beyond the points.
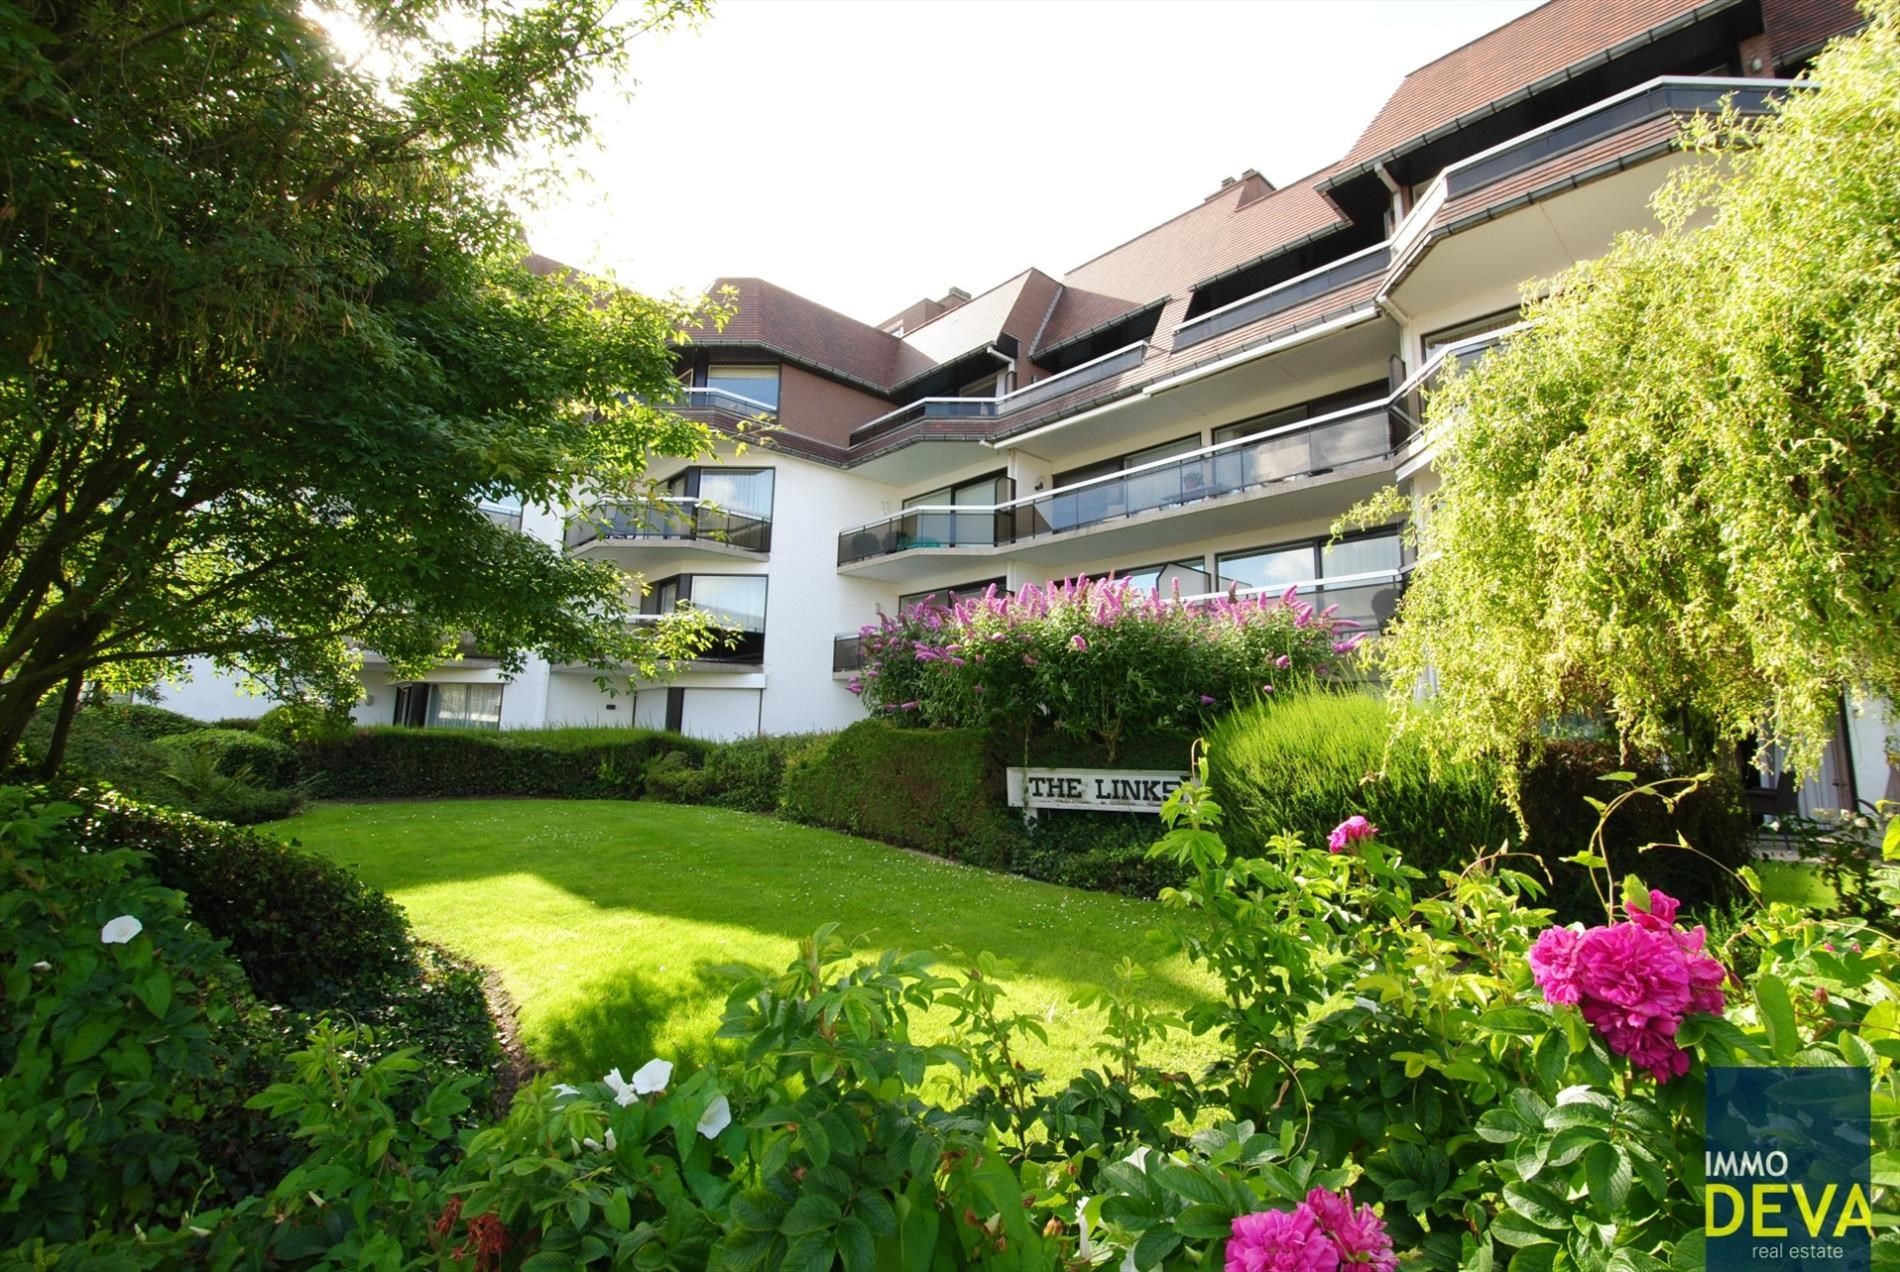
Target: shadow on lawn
(618, 1019)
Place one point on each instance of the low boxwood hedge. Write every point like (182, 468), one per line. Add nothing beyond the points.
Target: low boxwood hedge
(396, 763)
(269, 764)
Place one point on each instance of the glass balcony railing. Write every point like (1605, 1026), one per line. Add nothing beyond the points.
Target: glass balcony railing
(1684, 95)
(1310, 448)
(701, 398)
(505, 517)
(1283, 296)
(925, 409)
(672, 519)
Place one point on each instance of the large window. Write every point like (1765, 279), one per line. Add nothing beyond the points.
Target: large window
(1135, 493)
(745, 492)
(1313, 562)
(737, 600)
(436, 706)
(754, 383)
(1189, 575)
(954, 529)
(952, 594)
(1436, 340)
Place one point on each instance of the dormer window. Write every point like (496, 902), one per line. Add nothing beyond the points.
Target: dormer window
(755, 383)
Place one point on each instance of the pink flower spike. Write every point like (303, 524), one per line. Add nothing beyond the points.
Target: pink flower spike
(1283, 661)
(1079, 643)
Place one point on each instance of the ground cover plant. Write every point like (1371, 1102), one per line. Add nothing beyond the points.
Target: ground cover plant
(1093, 659)
(608, 922)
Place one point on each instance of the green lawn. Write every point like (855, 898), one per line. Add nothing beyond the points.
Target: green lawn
(607, 920)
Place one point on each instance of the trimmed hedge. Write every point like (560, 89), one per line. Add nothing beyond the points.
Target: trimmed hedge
(305, 929)
(271, 764)
(137, 719)
(396, 763)
(936, 790)
(1307, 763)
(298, 722)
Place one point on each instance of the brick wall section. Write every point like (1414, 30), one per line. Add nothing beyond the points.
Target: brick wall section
(821, 408)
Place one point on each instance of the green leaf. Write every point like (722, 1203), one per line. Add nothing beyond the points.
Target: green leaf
(1690, 1252)
(1635, 891)
(813, 1212)
(1538, 1204)
(1205, 1222)
(811, 1252)
(1186, 1181)
(618, 1212)
(855, 1246)
(1777, 1016)
(1155, 1246)
(1607, 1170)
(757, 1210)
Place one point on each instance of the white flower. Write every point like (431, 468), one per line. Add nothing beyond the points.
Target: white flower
(42, 966)
(566, 1089)
(120, 930)
(716, 1118)
(1083, 1247)
(1128, 1264)
(624, 1094)
(594, 1145)
(609, 1140)
(1139, 1158)
(652, 1077)
(591, 1145)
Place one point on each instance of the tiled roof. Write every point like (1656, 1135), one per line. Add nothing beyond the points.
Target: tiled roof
(1078, 311)
(1226, 229)
(1016, 306)
(1796, 26)
(1544, 41)
(768, 316)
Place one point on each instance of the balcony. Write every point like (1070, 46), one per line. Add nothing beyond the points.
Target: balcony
(675, 521)
(502, 515)
(920, 415)
(1678, 96)
(1368, 599)
(1350, 442)
(1283, 296)
(702, 400)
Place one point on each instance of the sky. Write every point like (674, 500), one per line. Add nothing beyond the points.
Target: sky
(869, 153)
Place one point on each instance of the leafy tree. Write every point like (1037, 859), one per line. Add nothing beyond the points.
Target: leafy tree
(1673, 497)
(268, 334)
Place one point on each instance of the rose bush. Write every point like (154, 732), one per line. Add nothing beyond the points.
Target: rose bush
(1097, 659)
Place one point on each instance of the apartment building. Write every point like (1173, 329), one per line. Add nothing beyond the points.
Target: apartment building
(1190, 408)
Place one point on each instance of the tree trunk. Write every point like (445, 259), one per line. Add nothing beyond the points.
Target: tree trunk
(68, 706)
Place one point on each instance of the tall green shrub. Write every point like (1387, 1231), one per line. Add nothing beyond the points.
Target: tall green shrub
(936, 790)
(1307, 762)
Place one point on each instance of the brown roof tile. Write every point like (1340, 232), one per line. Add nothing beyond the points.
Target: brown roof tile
(1077, 311)
(768, 316)
(1223, 231)
(1544, 41)
(1796, 26)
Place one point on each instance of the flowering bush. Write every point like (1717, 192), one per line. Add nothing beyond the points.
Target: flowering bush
(1096, 659)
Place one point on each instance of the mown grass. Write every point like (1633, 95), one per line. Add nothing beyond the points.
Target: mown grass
(609, 922)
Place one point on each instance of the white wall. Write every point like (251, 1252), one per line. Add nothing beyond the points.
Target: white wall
(720, 715)
(211, 695)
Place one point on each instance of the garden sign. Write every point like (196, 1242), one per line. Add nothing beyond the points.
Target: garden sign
(1090, 790)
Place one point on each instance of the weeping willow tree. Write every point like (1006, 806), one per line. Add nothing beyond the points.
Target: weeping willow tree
(1674, 496)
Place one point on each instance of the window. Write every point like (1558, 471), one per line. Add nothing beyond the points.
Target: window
(1436, 340)
(952, 594)
(1302, 453)
(448, 706)
(1167, 485)
(737, 600)
(950, 529)
(987, 386)
(1313, 562)
(755, 383)
(1189, 575)
(741, 491)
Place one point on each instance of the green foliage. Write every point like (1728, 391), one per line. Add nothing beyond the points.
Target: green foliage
(122, 1066)
(578, 763)
(135, 719)
(1103, 852)
(305, 930)
(1306, 763)
(1303, 765)
(243, 724)
(297, 723)
(218, 392)
(1095, 661)
(106, 745)
(673, 776)
(1557, 794)
(936, 790)
(1672, 496)
(236, 753)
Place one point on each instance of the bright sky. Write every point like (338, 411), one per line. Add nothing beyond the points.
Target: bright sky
(867, 153)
